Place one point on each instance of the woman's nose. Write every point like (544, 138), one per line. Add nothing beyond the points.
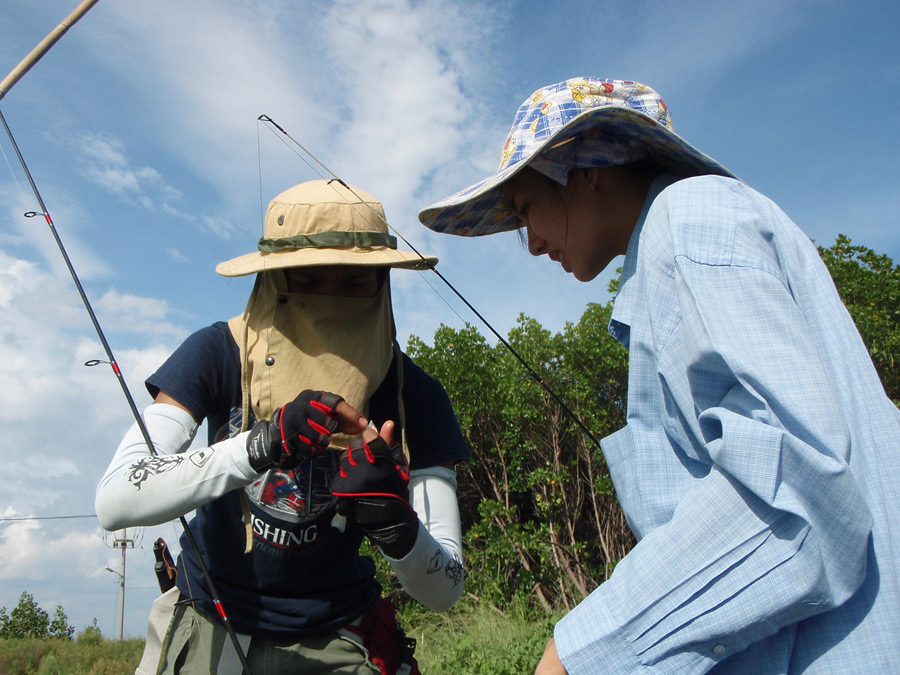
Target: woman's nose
(536, 245)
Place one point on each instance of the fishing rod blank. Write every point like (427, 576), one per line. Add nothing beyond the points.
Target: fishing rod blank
(125, 390)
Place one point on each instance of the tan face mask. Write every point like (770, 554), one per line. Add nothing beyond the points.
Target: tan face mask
(295, 341)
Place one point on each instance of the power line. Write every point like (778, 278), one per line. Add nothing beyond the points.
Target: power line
(4, 520)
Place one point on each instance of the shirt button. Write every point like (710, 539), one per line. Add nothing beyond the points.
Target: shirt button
(270, 360)
(282, 299)
(719, 649)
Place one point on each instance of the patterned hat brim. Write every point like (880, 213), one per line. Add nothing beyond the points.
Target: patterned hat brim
(479, 209)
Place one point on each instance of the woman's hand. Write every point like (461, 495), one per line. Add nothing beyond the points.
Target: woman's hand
(550, 663)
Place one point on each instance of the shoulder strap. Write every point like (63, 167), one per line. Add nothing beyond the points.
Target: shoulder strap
(401, 409)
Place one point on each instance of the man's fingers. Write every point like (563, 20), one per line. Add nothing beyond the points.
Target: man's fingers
(350, 420)
(387, 432)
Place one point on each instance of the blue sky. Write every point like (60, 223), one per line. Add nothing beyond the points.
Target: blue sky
(140, 130)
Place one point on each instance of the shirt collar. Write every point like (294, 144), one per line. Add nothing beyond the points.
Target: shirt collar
(623, 309)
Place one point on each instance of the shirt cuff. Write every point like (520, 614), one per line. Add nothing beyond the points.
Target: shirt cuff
(587, 642)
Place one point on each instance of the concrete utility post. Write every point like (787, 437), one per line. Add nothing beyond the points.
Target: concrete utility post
(123, 543)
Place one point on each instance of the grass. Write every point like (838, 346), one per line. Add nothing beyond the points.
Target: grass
(472, 638)
(64, 657)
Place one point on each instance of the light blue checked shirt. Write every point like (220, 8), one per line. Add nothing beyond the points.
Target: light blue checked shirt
(760, 467)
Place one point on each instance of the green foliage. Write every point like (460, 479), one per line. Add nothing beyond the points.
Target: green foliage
(49, 666)
(69, 657)
(869, 286)
(541, 523)
(91, 635)
(19, 656)
(540, 518)
(59, 625)
(28, 620)
(33, 642)
(477, 638)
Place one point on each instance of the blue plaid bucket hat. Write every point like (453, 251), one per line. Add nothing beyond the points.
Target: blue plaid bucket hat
(581, 122)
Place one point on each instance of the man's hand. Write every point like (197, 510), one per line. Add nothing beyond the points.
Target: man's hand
(301, 430)
(550, 663)
(373, 484)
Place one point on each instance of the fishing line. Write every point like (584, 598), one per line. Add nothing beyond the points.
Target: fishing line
(432, 287)
(13, 174)
(531, 372)
(5, 86)
(320, 175)
(121, 379)
(9, 520)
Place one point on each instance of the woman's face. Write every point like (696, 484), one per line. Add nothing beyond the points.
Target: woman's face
(350, 281)
(582, 225)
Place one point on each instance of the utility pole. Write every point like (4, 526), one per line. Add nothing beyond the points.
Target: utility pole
(123, 543)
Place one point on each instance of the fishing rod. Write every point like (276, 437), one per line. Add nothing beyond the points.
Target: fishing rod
(217, 603)
(7, 83)
(44, 46)
(530, 371)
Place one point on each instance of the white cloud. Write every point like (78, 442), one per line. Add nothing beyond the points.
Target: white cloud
(61, 424)
(401, 100)
(68, 217)
(374, 89)
(24, 546)
(220, 227)
(408, 99)
(64, 562)
(62, 420)
(210, 85)
(177, 255)
(106, 164)
(138, 315)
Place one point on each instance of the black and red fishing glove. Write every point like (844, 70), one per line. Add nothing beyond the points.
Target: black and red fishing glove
(299, 431)
(373, 485)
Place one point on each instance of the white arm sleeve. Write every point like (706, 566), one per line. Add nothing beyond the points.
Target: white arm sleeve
(432, 572)
(139, 489)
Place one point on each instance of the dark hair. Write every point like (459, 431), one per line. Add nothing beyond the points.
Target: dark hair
(646, 169)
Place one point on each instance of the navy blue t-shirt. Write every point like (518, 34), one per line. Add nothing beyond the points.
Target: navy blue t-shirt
(303, 577)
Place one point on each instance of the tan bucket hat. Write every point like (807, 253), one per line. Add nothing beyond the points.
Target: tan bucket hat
(323, 222)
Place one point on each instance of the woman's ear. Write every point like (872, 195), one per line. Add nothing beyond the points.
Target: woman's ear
(589, 178)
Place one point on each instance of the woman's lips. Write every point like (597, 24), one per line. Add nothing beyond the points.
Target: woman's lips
(557, 256)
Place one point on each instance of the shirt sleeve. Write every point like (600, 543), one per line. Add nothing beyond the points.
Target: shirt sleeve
(432, 571)
(140, 489)
(434, 436)
(775, 532)
(201, 374)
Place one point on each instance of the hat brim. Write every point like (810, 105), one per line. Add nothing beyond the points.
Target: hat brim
(480, 209)
(252, 263)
